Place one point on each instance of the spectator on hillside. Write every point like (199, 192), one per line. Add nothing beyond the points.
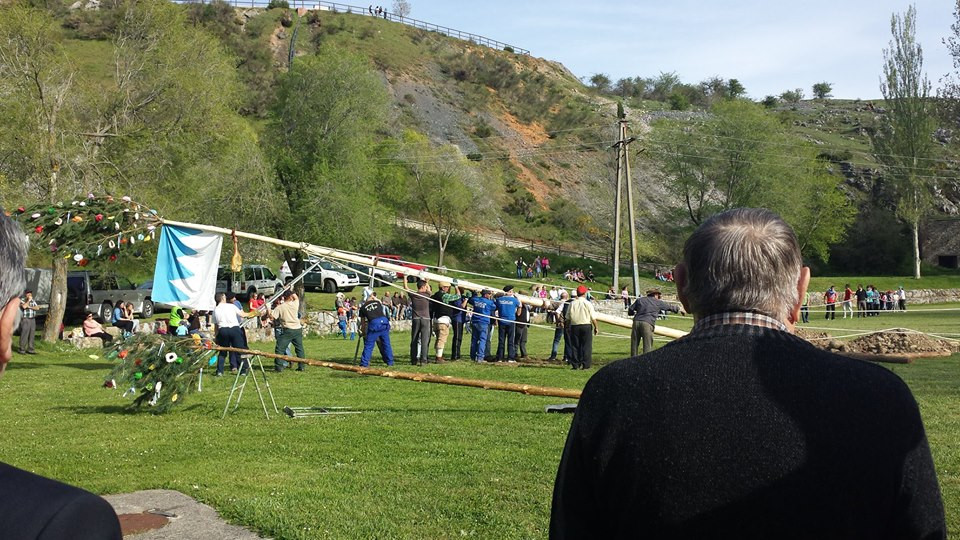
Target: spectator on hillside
(537, 266)
(544, 266)
(520, 266)
(742, 430)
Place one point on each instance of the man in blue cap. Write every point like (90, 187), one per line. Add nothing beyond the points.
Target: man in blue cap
(483, 307)
(507, 306)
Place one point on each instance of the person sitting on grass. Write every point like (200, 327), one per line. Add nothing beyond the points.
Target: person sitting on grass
(741, 429)
(39, 507)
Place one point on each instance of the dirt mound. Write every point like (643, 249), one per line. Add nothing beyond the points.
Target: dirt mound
(817, 338)
(897, 341)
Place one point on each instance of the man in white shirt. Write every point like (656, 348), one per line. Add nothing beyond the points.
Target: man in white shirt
(227, 317)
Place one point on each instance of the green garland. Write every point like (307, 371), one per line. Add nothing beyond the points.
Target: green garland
(94, 228)
(159, 370)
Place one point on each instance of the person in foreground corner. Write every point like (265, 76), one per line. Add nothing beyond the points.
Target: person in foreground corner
(38, 507)
(740, 429)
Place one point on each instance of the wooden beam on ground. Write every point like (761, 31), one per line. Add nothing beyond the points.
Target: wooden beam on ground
(527, 389)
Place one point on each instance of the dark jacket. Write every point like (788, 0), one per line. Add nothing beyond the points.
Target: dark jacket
(41, 508)
(748, 433)
(646, 308)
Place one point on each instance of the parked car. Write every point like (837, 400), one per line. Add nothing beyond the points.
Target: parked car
(254, 278)
(148, 287)
(396, 259)
(380, 276)
(328, 277)
(99, 293)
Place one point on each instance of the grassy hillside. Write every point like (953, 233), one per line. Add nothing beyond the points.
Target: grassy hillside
(540, 138)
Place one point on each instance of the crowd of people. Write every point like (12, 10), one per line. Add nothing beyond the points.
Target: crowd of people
(539, 268)
(868, 301)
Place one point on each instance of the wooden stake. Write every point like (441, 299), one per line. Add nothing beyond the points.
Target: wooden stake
(527, 389)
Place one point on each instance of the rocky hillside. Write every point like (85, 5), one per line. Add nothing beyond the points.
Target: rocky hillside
(541, 138)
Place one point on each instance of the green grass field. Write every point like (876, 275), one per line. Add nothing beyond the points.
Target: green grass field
(420, 461)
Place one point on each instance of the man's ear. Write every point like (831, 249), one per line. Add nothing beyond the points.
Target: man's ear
(7, 315)
(680, 278)
(794, 314)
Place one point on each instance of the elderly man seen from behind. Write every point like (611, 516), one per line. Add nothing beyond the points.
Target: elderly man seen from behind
(34, 506)
(740, 429)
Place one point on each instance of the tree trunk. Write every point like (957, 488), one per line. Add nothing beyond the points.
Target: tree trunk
(296, 268)
(442, 247)
(58, 300)
(916, 249)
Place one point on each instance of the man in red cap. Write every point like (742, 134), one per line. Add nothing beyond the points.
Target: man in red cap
(582, 317)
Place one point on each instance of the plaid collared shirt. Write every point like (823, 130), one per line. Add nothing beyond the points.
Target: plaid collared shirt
(30, 312)
(738, 317)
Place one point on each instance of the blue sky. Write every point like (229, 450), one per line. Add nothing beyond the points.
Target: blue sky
(769, 46)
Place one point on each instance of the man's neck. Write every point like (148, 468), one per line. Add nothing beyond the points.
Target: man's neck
(730, 318)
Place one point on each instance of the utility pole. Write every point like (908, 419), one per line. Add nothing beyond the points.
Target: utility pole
(630, 213)
(617, 211)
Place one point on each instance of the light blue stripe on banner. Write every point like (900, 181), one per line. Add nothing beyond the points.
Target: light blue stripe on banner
(169, 269)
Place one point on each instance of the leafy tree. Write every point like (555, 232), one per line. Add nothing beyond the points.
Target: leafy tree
(949, 103)
(664, 85)
(678, 102)
(170, 91)
(769, 102)
(438, 188)
(821, 90)
(401, 8)
(741, 156)
(735, 88)
(328, 109)
(902, 141)
(792, 96)
(600, 82)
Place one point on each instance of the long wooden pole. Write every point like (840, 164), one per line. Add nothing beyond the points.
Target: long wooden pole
(380, 263)
(527, 389)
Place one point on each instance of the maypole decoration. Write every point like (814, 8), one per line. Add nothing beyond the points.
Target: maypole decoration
(158, 370)
(91, 229)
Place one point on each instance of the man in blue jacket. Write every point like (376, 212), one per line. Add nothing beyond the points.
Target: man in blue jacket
(483, 307)
(507, 306)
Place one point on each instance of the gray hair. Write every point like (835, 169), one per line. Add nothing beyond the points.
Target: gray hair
(13, 253)
(745, 259)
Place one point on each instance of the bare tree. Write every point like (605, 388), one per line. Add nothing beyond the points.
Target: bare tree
(401, 8)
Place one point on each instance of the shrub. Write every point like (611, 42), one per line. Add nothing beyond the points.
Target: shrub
(278, 4)
(482, 129)
(769, 102)
(678, 102)
(508, 49)
(475, 156)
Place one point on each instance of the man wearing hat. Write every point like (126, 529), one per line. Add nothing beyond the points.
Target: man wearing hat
(483, 307)
(645, 311)
(375, 327)
(442, 312)
(287, 315)
(507, 306)
(582, 317)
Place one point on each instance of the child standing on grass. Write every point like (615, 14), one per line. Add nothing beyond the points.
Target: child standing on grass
(352, 326)
(342, 321)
